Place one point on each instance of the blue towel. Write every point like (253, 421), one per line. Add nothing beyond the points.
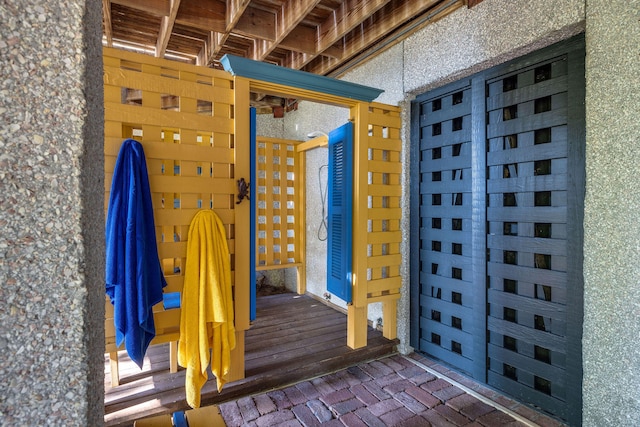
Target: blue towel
(134, 278)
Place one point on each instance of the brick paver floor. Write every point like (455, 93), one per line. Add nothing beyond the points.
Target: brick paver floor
(393, 391)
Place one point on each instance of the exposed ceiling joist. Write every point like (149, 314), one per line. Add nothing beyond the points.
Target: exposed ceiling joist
(166, 27)
(318, 36)
(391, 19)
(106, 22)
(291, 13)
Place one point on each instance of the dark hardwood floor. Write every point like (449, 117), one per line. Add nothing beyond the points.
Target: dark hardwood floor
(293, 338)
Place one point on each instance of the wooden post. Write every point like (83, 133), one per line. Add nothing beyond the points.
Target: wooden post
(242, 141)
(357, 311)
(301, 243)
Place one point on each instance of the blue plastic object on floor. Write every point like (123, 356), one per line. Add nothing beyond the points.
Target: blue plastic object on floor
(179, 420)
(171, 300)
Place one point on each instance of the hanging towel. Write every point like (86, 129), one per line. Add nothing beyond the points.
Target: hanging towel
(134, 278)
(207, 332)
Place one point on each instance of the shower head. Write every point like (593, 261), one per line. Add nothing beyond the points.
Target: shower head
(316, 134)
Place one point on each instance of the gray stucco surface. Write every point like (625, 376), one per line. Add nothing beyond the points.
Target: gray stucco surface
(490, 33)
(51, 220)
(611, 383)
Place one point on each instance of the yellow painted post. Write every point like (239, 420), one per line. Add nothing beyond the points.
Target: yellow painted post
(115, 368)
(242, 141)
(357, 311)
(390, 318)
(301, 243)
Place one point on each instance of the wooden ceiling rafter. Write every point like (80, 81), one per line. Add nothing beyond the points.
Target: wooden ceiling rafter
(394, 17)
(291, 13)
(217, 39)
(166, 27)
(348, 16)
(323, 37)
(106, 22)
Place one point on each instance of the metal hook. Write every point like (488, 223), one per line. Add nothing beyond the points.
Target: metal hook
(243, 190)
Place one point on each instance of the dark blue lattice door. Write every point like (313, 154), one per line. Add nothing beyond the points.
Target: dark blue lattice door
(496, 267)
(528, 266)
(446, 282)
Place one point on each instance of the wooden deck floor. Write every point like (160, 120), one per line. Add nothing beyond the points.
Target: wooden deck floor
(293, 338)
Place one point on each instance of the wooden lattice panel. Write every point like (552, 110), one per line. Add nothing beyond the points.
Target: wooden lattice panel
(383, 199)
(278, 198)
(184, 117)
(377, 214)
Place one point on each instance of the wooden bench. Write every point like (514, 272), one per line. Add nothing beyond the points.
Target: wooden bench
(167, 324)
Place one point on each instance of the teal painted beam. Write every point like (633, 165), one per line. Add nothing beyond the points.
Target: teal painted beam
(248, 68)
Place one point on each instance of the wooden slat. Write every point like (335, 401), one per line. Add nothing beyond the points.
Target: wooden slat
(532, 244)
(527, 214)
(526, 274)
(106, 21)
(555, 182)
(526, 304)
(528, 93)
(144, 116)
(528, 154)
(528, 123)
(119, 56)
(551, 341)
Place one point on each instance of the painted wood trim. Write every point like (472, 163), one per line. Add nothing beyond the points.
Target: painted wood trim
(320, 141)
(243, 67)
(414, 226)
(478, 229)
(242, 211)
(278, 266)
(575, 224)
(301, 209)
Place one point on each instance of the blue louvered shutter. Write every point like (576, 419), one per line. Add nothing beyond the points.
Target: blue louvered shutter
(340, 197)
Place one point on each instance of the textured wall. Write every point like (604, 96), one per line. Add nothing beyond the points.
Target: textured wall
(611, 383)
(490, 33)
(312, 117)
(51, 190)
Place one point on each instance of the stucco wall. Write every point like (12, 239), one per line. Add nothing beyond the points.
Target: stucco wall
(51, 214)
(611, 382)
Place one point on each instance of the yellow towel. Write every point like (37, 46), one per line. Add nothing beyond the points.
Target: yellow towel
(206, 323)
